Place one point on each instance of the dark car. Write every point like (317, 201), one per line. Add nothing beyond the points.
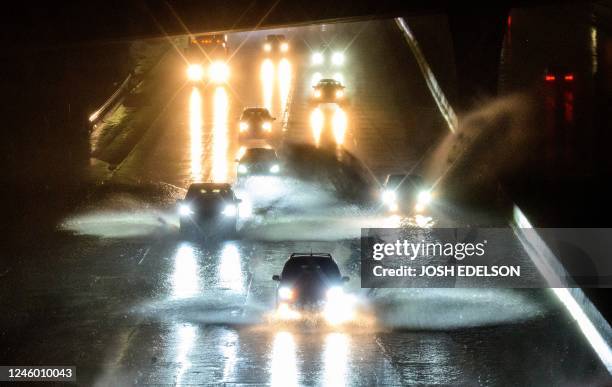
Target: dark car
(276, 44)
(328, 91)
(405, 193)
(308, 281)
(258, 161)
(209, 209)
(255, 123)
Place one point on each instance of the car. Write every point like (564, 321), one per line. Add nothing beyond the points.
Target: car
(558, 75)
(207, 56)
(405, 193)
(312, 283)
(258, 161)
(208, 209)
(276, 43)
(255, 123)
(328, 90)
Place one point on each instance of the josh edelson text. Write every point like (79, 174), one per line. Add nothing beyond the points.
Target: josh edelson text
(414, 255)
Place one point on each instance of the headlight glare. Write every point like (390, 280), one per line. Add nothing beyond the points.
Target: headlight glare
(389, 196)
(230, 210)
(285, 293)
(195, 72)
(184, 210)
(275, 168)
(338, 58)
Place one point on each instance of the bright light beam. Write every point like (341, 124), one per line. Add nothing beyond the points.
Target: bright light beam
(195, 131)
(267, 83)
(220, 135)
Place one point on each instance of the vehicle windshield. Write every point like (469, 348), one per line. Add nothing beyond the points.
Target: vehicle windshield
(298, 266)
(204, 192)
(259, 154)
(255, 113)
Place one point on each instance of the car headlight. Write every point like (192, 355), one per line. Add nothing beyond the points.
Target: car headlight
(423, 200)
(389, 196)
(317, 58)
(219, 72)
(267, 126)
(243, 126)
(275, 168)
(230, 210)
(317, 93)
(424, 197)
(267, 47)
(338, 58)
(285, 293)
(339, 93)
(184, 210)
(242, 169)
(334, 293)
(195, 72)
(284, 47)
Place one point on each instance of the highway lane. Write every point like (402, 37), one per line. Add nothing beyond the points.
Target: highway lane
(119, 295)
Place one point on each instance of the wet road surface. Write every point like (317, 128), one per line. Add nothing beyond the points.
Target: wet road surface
(117, 293)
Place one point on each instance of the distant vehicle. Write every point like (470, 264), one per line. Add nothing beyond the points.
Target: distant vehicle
(327, 56)
(209, 209)
(328, 91)
(558, 74)
(259, 161)
(312, 283)
(255, 123)
(402, 193)
(207, 55)
(276, 44)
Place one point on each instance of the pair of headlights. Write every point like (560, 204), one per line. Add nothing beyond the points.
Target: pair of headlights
(286, 293)
(266, 125)
(337, 58)
(230, 210)
(218, 72)
(242, 169)
(284, 47)
(423, 199)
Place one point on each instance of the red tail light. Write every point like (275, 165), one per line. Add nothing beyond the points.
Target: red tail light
(569, 77)
(549, 78)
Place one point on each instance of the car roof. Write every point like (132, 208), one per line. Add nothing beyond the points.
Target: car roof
(255, 110)
(210, 186)
(275, 36)
(329, 81)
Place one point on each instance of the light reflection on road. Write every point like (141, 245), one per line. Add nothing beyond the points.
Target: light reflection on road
(284, 366)
(230, 269)
(195, 131)
(185, 278)
(186, 337)
(220, 135)
(325, 119)
(284, 83)
(335, 358)
(267, 83)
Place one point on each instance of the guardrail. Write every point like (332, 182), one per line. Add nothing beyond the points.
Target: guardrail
(443, 105)
(101, 112)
